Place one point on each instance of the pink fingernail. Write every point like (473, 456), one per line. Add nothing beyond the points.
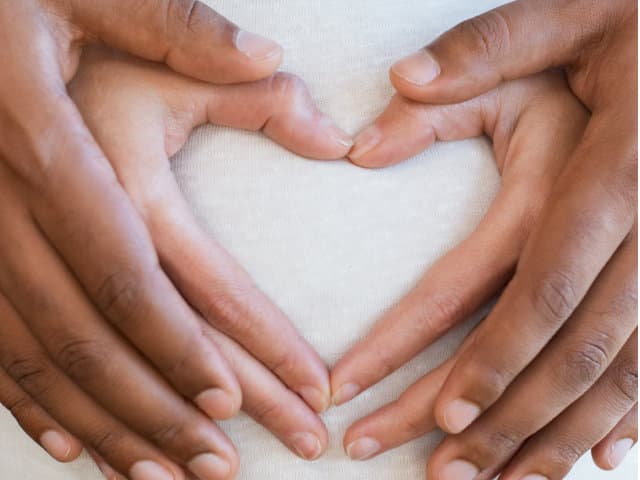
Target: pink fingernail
(459, 414)
(419, 68)
(459, 470)
(256, 46)
(363, 448)
(619, 451)
(346, 392)
(315, 398)
(307, 445)
(208, 466)
(218, 404)
(365, 141)
(148, 470)
(535, 476)
(56, 444)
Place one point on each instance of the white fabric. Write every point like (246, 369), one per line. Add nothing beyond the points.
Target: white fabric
(333, 245)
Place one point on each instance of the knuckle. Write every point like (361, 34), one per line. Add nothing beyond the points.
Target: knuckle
(489, 34)
(289, 89)
(228, 309)
(584, 364)
(107, 441)
(267, 411)
(625, 380)
(554, 297)
(167, 434)
(20, 406)
(83, 360)
(120, 296)
(496, 444)
(564, 455)
(443, 312)
(188, 15)
(485, 381)
(30, 373)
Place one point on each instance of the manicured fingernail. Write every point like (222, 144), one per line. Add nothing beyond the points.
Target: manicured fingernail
(218, 404)
(208, 466)
(342, 138)
(363, 448)
(619, 451)
(307, 445)
(459, 470)
(419, 68)
(345, 393)
(336, 134)
(57, 444)
(255, 46)
(365, 141)
(535, 476)
(315, 398)
(459, 414)
(148, 470)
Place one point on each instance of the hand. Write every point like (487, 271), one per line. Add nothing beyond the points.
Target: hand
(75, 255)
(141, 114)
(560, 344)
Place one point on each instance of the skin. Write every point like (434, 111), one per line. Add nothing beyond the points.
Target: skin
(142, 114)
(552, 371)
(97, 312)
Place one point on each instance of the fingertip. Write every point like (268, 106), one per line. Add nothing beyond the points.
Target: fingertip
(413, 73)
(345, 393)
(363, 146)
(456, 415)
(363, 448)
(262, 56)
(60, 446)
(610, 455)
(337, 143)
(256, 47)
(318, 399)
(220, 404)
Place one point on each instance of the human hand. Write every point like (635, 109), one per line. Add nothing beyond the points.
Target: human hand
(560, 344)
(141, 114)
(75, 253)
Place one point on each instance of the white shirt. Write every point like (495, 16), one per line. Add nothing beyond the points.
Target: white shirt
(332, 244)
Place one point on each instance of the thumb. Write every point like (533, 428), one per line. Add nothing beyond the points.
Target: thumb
(280, 106)
(187, 35)
(509, 42)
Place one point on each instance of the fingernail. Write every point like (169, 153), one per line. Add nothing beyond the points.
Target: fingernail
(619, 451)
(363, 448)
(419, 68)
(341, 137)
(336, 134)
(218, 404)
(459, 414)
(459, 470)
(208, 466)
(148, 470)
(535, 476)
(56, 444)
(366, 141)
(256, 46)
(345, 393)
(317, 399)
(307, 445)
